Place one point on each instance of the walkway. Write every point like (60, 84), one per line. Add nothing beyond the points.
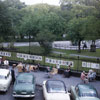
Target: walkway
(41, 76)
(84, 56)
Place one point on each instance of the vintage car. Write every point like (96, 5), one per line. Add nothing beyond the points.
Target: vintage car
(55, 90)
(5, 79)
(84, 92)
(24, 85)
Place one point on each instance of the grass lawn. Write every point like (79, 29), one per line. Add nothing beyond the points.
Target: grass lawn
(39, 50)
(83, 52)
(33, 50)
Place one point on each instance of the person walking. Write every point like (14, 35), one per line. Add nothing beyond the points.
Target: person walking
(13, 75)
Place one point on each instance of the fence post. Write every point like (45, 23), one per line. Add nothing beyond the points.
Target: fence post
(99, 65)
(78, 64)
(44, 60)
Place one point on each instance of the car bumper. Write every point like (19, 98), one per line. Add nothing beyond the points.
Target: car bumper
(23, 96)
(3, 90)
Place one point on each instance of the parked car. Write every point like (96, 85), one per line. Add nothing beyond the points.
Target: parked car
(24, 85)
(5, 79)
(84, 92)
(55, 90)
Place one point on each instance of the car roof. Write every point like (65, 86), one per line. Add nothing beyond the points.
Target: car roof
(25, 76)
(55, 83)
(86, 88)
(51, 85)
(4, 72)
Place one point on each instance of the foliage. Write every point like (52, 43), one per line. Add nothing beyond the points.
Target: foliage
(43, 24)
(76, 19)
(16, 13)
(5, 22)
(83, 19)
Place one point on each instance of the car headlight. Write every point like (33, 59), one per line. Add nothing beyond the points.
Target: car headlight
(32, 92)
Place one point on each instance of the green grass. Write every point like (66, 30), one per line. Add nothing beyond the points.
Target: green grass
(32, 50)
(83, 52)
(39, 51)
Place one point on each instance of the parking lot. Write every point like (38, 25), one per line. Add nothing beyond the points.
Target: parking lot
(40, 77)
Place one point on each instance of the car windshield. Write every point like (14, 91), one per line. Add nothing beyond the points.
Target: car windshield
(2, 77)
(56, 87)
(24, 81)
(88, 95)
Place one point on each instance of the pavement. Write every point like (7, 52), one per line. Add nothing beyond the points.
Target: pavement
(71, 81)
(84, 56)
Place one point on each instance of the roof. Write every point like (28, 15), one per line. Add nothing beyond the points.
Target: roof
(25, 76)
(55, 85)
(4, 72)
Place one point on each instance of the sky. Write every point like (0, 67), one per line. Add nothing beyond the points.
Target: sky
(31, 2)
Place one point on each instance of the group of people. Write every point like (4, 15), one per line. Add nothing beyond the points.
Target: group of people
(87, 77)
(27, 68)
(55, 69)
(22, 68)
(51, 71)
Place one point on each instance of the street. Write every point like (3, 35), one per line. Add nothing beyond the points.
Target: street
(40, 77)
(8, 94)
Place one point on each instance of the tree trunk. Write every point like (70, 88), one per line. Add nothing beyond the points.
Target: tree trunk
(79, 44)
(93, 46)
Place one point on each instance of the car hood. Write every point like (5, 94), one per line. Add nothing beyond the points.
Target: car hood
(88, 98)
(3, 82)
(24, 88)
(58, 96)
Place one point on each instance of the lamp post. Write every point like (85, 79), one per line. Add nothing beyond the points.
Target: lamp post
(29, 43)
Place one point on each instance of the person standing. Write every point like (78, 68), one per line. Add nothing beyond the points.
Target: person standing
(38, 66)
(84, 77)
(67, 72)
(13, 75)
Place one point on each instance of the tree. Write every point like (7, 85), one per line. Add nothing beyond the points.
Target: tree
(16, 13)
(82, 9)
(92, 31)
(45, 39)
(5, 22)
(43, 24)
(75, 31)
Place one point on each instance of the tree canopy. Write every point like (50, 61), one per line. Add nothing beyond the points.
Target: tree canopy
(78, 19)
(83, 19)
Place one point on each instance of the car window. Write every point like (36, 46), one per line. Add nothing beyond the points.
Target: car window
(57, 87)
(88, 95)
(87, 91)
(24, 81)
